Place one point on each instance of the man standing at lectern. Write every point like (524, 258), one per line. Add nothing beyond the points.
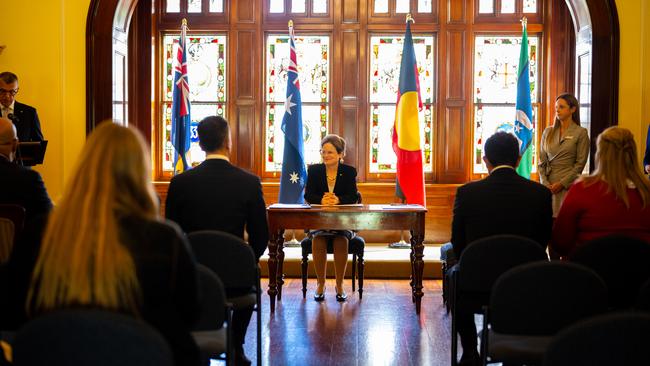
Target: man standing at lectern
(23, 116)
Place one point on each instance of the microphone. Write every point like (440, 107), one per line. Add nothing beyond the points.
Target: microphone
(13, 118)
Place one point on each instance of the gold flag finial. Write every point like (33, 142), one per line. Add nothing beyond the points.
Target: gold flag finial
(291, 24)
(524, 22)
(409, 18)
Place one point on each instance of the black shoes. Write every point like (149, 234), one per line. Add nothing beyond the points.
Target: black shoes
(319, 297)
(341, 297)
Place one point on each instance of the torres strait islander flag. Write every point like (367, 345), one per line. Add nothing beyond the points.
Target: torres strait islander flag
(524, 125)
(181, 133)
(406, 131)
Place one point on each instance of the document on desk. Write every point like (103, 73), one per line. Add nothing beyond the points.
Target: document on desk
(399, 206)
(343, 205)
(289, 205)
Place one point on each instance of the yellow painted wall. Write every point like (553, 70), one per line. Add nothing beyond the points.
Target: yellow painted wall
(45, 42)
(634, 82)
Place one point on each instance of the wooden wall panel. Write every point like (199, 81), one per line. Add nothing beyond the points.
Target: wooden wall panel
(350, 11)
(456, 65)
(244, 66)
(245, 10)
(451, 139)
(243, 132)
(456, 12)
(350, 133)
(350, 65)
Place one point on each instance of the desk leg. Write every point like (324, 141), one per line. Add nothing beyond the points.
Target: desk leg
(412, 283)
(280, 279)
(276, 237)
(417, 262)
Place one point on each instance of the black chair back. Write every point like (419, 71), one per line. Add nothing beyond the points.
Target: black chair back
(12, 220)
(542, 298)
(622, 262)
(213, 300)
(230, 257)
(619, 339)
(89, 337)
(643, 302)
(484, 260)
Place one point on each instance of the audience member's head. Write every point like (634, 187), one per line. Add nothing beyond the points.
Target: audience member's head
(502, 148)
(8, 88)
(617, 164)
(214, 135)
(8, 139)
(82, 259)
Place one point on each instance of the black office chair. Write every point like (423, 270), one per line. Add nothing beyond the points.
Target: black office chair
(89, 337)
(622, 262)
(356, 247)
(479, 266)
(530, 303)
(643, 301)
(213, 331)
(233, 260)
(619, 339)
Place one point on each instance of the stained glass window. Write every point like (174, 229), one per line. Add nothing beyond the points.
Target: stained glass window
(276, 6)
(193, 6)
(381, 6)
(297, 6)
(507, 6)
(530, 6)
(206, 69)
(496, 60)
(402, 6)
(424, 6)
(173, 6)
(319, 6)
(486, 6)
(216, 6)
(313, 56)
(385, 58)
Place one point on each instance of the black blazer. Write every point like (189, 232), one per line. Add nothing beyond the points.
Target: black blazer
(25, 187)
(646, 157)
(27, 123)
(345, 188)
(502, 203)
(217, 195)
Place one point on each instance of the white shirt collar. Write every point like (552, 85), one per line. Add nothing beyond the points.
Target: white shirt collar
(217, 156)
(9, 109)
(501, 167)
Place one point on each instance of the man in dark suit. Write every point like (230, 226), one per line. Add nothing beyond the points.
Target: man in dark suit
(646, 156)
(19, 185)
(502, 203)
(23, 116)
(217, 195)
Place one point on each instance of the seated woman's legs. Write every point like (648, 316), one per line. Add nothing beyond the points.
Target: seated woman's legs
(340, 261)
(319, 253)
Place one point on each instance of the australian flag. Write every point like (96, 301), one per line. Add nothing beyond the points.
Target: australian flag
(294, 173)
(181, 133)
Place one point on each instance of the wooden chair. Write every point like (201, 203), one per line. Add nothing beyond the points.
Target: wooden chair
(12, 219)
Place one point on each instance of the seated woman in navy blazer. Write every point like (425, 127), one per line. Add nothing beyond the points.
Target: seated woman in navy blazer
(331, 183)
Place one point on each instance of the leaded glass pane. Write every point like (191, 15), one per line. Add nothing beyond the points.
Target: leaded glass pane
(530, 6)
(486, 6)
(216, 6)
(424, 6)
(385, 59)
(206, 68)
(312, 54)
(402, 6)
(173, 6)
(319, 6)
(193, 6)
(276, 6)
(313, 67)
(489, 119)
(297, 6)
(496, 60)
(314, 123)
(507, 6)
(381, 6)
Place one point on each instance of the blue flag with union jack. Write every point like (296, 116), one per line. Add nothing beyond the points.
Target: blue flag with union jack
(294, 173)
(181, 124)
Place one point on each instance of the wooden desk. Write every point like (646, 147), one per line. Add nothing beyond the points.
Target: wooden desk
(366, 217)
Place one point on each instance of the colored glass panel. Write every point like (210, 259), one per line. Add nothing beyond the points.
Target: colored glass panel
(424, 6)
(216, 6)
(530, 6)
(402, 6)
(276, 6)
(507, 6)
(319, 6)
(486, 6)
(173, 6)
(193, 6)
(381, 6)
(206, 68)
(297, 6)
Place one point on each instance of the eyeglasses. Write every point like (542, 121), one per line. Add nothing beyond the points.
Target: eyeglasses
(11, 92)
(323, 152)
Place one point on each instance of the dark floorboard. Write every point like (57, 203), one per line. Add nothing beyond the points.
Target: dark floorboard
(381, 329)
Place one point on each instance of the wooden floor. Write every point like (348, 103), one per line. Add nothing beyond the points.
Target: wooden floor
(381, 329)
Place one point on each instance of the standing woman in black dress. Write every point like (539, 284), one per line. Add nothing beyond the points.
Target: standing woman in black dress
(331, 183)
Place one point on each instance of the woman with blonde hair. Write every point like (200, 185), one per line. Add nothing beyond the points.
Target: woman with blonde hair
(564, 149)
(105, 246)
(615, 199)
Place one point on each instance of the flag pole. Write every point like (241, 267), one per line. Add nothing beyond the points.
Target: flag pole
(402, 244)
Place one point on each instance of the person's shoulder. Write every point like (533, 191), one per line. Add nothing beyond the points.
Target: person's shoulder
(315, 167)
(348, 168)
(24, 107)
